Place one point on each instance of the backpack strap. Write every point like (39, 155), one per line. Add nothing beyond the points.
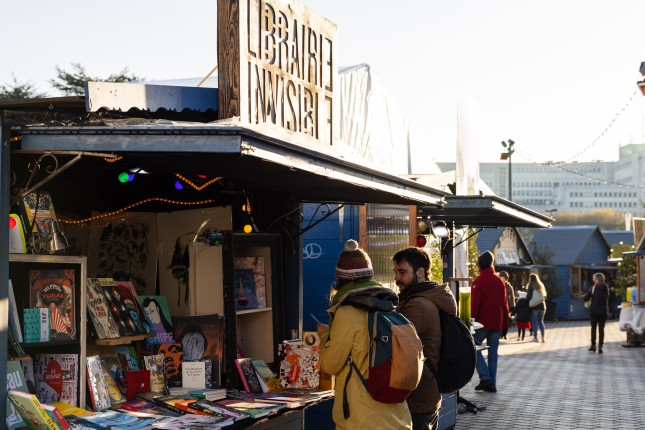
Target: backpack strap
(352, 367)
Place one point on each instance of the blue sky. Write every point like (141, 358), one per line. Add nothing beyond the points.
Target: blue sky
(551, 75)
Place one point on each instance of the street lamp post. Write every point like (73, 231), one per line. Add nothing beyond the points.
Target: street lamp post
(509, 146)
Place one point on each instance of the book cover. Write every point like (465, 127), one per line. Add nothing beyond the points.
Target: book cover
(245, 290)
(173, 358)
(217, 408)
(128, 357)
(265, 374)
(56, 378)
(16, 380)
(181, 403)
(14, 320)
(154, 397)
(202, 337)
(55, 289)
(66, 409)
(115, 420)
(253, 409)
(256, 265)
(45, 333)
(112, 365)
(247, 375)
(138, 381)
(131, 299)
(119, 310)
(14, 346)
(116, 395)
(96, 384)
(31, 410)
(147, 407)
(100, 314)
(208, 393)
(289, 401)
(31, 318)
(193, 374)
(154, 363)
(299, 365)
(192, 421)
(38, 213)
(56, 416)
(27, 364)
(159, 319)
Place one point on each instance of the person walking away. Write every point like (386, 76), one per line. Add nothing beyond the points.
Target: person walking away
(522, 312)
(536, 288)
(598, 311)
(420, 301)
(489, 307)
(510, 296)
(347, 335)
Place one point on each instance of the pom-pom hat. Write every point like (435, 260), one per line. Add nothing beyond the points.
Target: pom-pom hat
(353, 263)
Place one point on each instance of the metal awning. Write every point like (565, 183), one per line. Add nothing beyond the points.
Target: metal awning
(241, 154)
(485, 211)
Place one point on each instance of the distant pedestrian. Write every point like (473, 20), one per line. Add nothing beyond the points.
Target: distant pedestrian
(489, 307)
(522, 312)
(536, 297)
(510, 296)
(599, 295)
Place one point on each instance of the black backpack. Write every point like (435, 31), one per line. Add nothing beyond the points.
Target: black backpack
(457, 355)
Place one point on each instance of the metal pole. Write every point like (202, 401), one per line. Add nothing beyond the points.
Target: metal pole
(510, 176)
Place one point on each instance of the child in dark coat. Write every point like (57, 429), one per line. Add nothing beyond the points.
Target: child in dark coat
(522, 314)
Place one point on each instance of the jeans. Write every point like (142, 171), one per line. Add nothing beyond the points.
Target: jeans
(488, 371)
(425, 422)
(537, 321)
(598, 320)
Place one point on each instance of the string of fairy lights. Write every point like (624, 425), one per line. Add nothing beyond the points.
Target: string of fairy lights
(561, 165)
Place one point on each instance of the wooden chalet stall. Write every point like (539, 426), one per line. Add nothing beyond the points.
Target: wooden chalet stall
(149, 162)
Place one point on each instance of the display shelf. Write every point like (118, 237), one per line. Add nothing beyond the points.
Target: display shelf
(253, 311)
(124, 340)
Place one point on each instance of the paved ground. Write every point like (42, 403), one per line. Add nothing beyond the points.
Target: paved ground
(559, 384)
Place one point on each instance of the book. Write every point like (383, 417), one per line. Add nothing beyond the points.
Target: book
(193, 422)
(256, 265)
(36, 324)
(55, 289)
(128, 357)
(154, 363)
(289, 401)
(183, 403)
(193, 374)
(173, 357)
(138, 381)
(247, 375)
(27, 364)
(265, 375)
(37, 211)
(56, 378)
(202, 337)
(14, 320)
(96, 383)
(253, 409)
(67, 409)
(159, 319)
(56, 416)
(119, 310)
(218, 408)
(99, 312)
(112, 364)
(161, 401)
(113, 420)
(16, 380)
(17, 348)
(299, 365)
(131, 299)
(208, 393)
(31, 410)
(144, 406)
(245, 290)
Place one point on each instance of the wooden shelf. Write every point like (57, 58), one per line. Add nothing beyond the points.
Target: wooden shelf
(50, 343)
(124, 340)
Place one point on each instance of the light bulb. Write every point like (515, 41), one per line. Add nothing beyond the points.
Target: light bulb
(248, 228)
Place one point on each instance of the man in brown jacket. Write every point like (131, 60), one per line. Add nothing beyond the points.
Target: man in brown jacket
(419, 301)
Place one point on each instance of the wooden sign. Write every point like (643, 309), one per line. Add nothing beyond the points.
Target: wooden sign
(277, 65)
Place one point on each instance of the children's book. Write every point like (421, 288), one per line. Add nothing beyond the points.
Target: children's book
(54, 289)
(159, 319)
(98, 310)
(57, 378)
(16, 380)
(96, 384)
(154, 363)
(31, 410)
(173, 358)
(131, 299)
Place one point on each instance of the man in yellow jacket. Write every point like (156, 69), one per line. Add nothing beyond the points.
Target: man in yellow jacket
(347, 334)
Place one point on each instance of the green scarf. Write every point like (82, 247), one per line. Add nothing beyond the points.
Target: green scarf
(351, 288)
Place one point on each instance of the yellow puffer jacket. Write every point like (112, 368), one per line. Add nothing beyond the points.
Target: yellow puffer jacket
(348, 334)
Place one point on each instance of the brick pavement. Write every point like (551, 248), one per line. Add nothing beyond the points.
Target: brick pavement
(559, 384)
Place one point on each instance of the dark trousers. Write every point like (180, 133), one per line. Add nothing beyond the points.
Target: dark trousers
(599, 321)
(425, 422)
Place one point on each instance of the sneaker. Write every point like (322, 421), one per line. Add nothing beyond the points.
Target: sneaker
(490, 390)
(485, 384)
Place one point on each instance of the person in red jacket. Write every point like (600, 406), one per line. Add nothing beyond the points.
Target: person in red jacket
(488, 306)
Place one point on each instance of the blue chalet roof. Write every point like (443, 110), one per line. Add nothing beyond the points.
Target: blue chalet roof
(617, 236)
(568, 242)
